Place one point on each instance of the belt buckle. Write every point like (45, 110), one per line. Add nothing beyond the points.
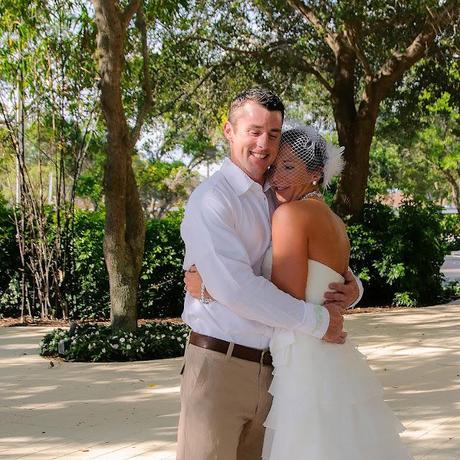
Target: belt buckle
(262, 355)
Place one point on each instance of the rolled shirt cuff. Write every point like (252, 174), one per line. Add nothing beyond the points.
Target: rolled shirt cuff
(316, 321)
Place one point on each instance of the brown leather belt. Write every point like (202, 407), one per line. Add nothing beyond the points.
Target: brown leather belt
(239, 351)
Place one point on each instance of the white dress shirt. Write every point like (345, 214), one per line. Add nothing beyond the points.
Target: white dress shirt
(227, 230)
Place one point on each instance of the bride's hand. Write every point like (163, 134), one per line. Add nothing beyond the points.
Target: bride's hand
(193, 282)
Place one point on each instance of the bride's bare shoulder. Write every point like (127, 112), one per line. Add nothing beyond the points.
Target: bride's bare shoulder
(299, 211)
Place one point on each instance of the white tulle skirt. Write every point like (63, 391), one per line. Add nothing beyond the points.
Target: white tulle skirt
(327, 405)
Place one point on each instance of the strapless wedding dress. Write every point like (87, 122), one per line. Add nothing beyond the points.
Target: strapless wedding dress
(327, 402)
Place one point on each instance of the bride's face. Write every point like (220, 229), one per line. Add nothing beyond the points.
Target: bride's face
(289, 177)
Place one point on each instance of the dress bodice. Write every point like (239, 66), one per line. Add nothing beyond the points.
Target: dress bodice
(319, 278)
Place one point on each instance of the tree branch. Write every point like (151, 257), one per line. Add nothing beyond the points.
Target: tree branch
(185, 94)
(255, 52)
(146, 81)
(398, 63)
(310, 68)
(307, 13)
(130, 10)
(351, 36)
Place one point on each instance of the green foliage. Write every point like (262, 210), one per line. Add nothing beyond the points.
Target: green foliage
(160, 284)
(91, 288)
(451, 229)
(161, 287)
(92, 342)
(163, 185)
(417, 143)
(398, 254)
(9, 262)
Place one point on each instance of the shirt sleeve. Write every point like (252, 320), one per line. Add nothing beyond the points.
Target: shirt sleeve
(360, 288)
(213, 245)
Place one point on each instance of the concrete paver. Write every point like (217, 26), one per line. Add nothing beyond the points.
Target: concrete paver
(117, 411)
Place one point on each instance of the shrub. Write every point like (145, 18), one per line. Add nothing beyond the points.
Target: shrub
(9, 263)
(92, 342)
(398, 253)
(91, 282)
(451, 228)
(161, 288)
(160, 284)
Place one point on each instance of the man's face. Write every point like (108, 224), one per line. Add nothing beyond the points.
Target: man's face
(254, 136)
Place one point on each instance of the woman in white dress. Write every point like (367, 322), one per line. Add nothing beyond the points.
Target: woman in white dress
(327, 403)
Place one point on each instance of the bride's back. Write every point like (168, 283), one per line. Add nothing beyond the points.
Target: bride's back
(327, 237)
(313, 221)
(301, 231)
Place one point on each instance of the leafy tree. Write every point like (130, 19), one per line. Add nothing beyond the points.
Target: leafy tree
(358, 51)
(163, 185)
(416, 146)
(47, 108)
(439, 142)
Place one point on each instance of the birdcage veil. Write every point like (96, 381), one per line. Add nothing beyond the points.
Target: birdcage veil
(304, 151)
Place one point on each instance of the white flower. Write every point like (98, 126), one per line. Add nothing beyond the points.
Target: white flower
(122, 340)
(115, 345)
(128, 347)
(103, 350)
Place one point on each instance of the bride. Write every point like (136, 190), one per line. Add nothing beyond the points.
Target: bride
(327, 403)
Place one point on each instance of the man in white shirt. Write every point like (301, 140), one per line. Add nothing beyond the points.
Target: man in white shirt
(226, 230)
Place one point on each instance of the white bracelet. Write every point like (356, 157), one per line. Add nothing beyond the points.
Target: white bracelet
(203, 299)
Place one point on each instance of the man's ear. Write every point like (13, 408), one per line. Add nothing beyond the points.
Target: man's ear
(228, 131)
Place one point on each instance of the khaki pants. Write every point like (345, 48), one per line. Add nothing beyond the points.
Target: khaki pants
(224, 402)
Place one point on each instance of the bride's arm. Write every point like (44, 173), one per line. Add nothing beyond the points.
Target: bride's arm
(290, 250)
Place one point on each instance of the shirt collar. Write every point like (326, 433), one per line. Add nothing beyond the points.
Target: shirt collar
(239, 181)
(267, 186)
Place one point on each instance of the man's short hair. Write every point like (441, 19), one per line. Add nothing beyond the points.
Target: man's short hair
(261, 96)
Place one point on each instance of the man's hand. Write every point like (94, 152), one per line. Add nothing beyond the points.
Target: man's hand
(335, 332)
(344, 294)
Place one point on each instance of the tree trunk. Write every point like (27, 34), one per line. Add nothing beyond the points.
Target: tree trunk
(454, 185)
(355, 130)
(124, 224)
(356, 136)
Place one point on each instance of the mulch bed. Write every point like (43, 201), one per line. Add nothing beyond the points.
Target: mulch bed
(27, 321)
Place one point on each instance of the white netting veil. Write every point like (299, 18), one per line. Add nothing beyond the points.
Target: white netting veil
(305, 155)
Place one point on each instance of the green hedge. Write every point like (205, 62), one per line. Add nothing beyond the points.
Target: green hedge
(160, 285)
(9, 263)
(397, 254)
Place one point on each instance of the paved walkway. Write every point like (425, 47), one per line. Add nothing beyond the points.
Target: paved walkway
(130, 410)
(451, 266)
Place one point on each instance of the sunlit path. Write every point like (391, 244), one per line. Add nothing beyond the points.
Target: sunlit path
(130, 410)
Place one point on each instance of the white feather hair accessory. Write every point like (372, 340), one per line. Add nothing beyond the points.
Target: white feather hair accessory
(334, 163)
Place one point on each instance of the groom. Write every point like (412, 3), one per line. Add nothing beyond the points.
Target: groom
(226, 230)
